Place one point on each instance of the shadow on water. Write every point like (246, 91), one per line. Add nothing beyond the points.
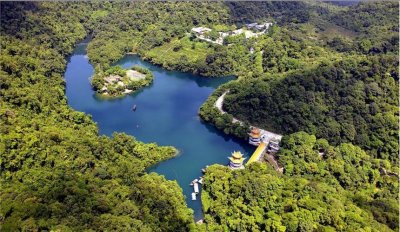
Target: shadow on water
(167, 113)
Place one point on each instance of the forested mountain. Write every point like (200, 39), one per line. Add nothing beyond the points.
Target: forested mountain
(140, 27)
(283, 12)
(331, 71)
(57, 173)
(348, 94)
(335, 77)
(354, 100)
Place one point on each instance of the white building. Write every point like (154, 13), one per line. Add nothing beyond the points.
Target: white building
(259, 27)
(200, 30)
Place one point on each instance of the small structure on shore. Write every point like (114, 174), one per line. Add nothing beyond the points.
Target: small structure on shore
(273, 146)
(236, 160)
(199, 222)
(255, 136)
(204, 170)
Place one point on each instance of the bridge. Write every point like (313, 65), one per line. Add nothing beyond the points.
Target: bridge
(257, 153)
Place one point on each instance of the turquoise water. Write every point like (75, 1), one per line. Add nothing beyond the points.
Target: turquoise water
(166, 114)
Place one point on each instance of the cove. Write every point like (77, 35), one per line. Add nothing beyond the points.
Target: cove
(167, 114)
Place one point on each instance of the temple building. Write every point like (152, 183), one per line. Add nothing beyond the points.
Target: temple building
(273, 146)
(255, 136)
(236, 160)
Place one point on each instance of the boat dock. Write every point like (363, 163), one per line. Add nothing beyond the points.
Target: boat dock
(196, 190)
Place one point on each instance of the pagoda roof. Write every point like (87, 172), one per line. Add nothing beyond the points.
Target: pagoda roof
(237, 155)
(255, 135)
(236, 161)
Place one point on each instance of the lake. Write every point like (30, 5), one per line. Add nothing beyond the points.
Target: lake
(167, 114)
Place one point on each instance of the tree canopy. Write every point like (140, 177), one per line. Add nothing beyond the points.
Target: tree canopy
(341, 190)
(57, 172)
(330, 71)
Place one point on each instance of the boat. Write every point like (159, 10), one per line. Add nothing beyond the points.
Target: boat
(199, 222)
(134, 108)
(196, 187)
(203, 170)
(194, 181)
(193, 196)
(201, 180)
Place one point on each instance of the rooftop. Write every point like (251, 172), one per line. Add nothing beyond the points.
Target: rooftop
(236, 161)
(201, 29)
(237, 155)
(135, 75)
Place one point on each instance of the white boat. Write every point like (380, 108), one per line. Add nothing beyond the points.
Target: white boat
(196, 187)
(193, 196)
(201, 180)
(194, 181)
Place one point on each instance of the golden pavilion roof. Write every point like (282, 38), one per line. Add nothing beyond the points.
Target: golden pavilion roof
(237, 155)
(236, 161)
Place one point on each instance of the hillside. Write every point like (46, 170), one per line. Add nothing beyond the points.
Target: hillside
(341, 87)
(57, 172)
(325, 76)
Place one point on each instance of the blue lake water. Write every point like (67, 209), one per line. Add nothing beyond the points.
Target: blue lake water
(167, 113)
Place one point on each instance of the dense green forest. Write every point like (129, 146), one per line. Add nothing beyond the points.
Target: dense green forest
(354, 100)
(331, 71)
(342, 190)
(141, 27)
(341, 85)
(343, 89)
(57, 173)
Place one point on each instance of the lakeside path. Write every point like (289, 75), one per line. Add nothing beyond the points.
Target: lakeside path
(268, 135)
